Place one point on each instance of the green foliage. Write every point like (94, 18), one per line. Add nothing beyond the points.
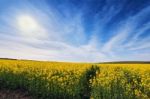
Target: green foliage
(75, 81)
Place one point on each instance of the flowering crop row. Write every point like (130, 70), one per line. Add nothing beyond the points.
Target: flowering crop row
(60, 80)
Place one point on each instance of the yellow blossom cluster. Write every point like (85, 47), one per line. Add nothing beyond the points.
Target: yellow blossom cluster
(122, 81)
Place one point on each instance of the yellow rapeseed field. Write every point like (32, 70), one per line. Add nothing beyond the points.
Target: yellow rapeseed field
(60, 80)
(122, 81)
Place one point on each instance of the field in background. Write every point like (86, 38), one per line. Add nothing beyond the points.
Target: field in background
(60, 80)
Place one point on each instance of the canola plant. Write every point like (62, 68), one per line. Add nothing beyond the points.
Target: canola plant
(60, 80)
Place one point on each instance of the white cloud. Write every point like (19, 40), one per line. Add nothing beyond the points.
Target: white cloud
(56, 51)
(117, 42)
(61, 38)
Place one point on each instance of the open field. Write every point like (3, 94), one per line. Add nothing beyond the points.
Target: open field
(60, 80)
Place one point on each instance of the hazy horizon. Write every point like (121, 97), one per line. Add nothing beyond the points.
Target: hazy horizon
(75, 30)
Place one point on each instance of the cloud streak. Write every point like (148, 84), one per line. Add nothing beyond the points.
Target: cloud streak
(79, 33)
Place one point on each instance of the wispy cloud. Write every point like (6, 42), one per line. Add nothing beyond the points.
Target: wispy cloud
(69, 32)
(120, 41)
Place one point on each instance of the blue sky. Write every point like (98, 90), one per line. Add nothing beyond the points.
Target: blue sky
(75, 30)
